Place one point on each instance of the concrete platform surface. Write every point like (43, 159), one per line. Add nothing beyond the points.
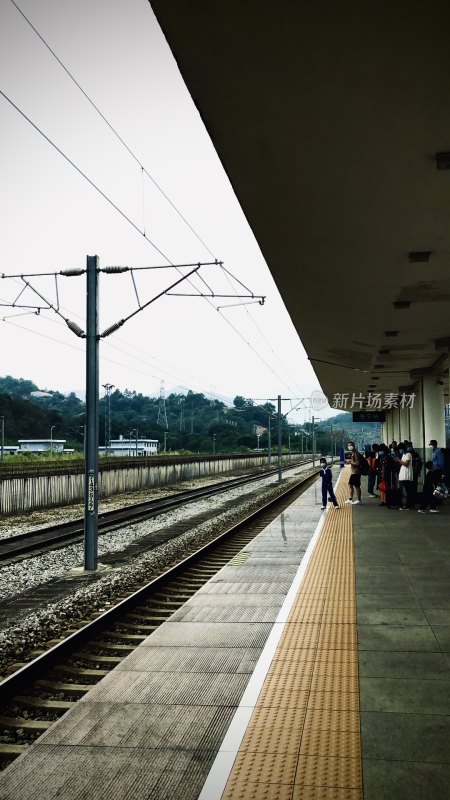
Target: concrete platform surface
(152, 727)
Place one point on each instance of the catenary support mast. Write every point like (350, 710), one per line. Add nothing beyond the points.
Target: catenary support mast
(92, 387)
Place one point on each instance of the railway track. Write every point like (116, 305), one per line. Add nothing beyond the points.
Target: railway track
(38, 693)
(20, 546)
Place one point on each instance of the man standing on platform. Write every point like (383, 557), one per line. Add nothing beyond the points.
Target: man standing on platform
(437, 457)
(355, 475)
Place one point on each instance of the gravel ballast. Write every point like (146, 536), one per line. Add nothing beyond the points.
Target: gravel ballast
(32, 630)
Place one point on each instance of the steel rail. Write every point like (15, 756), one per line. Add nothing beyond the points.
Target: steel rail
(54, 536)
(13, 683)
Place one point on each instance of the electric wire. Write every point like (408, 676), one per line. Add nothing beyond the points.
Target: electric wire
(113, 130)
(157, 377)
(244, 305)
(147, 173)
(83, 174)
(122, 213)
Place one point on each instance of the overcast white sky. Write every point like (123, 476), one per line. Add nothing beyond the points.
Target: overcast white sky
(52, 218)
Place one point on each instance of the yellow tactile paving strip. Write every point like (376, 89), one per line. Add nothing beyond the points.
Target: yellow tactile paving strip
(303, 739)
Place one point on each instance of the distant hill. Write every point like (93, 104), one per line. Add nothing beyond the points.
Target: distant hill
(194, 421)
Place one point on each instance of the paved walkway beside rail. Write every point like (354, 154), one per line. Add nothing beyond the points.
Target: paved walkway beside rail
(307, 669)
(356, 703)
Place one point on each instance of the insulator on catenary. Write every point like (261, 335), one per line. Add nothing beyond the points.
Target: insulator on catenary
(72, 272)
(115, 269)
(112, 328)
(75, 328)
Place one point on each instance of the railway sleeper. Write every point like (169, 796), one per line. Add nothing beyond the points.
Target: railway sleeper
(126, 637)
(99, 644)
(137, 626)
(9, 751)
(19, 723)
(40, 704)
(175, 597)
(158, 608)
(148, 617)
(112, 660)
(82, 672)
(190, 585)
(75, 689)
(200, 571)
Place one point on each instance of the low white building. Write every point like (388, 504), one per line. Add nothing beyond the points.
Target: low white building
(10, 450)
(131, 447)
(41, 445)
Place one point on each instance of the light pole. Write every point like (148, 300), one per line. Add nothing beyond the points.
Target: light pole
(165, 441)
(2, 445)
(129, 441)
(257, 440)
(51, 439)
(269, 442)
(314, 420)
(214, 442)
(306, 434)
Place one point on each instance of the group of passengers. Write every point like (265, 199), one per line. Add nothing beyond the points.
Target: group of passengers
(395, 470)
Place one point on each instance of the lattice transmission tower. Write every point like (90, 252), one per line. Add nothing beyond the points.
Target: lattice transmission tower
(162, 413)
(108, 387)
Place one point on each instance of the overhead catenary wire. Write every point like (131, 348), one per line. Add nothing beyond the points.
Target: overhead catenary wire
(144, 171)
(159, 371)
(129, 220)
(244, 305)
(83, 174)
(196, 379)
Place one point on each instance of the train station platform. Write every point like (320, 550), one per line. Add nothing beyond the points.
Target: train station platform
(315, 665)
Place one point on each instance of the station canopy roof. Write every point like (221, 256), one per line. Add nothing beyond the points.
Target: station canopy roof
(328, 118)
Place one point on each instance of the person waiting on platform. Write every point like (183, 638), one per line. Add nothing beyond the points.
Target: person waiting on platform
(372, 457)
(429, 485)
(405, 477)
(327, 484)
(385, 468)
(437, 457)
(355, 475)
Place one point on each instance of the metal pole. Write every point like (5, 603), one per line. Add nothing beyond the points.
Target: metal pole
(424, 458)
(279, 440)
(91, 473)
(313, 442)
(2, 446)
(165, 441)
(270, 444)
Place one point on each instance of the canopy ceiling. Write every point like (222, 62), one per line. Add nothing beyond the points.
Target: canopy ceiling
(327, 119)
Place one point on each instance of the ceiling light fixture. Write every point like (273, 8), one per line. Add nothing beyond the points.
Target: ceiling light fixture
(442, 160)
(417, 256)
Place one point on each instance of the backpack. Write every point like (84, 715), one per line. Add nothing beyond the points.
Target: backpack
(363, 465)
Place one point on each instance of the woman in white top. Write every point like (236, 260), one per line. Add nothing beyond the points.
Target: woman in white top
(406, 476)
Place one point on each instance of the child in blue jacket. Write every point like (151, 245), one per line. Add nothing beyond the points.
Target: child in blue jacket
(327, 484)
